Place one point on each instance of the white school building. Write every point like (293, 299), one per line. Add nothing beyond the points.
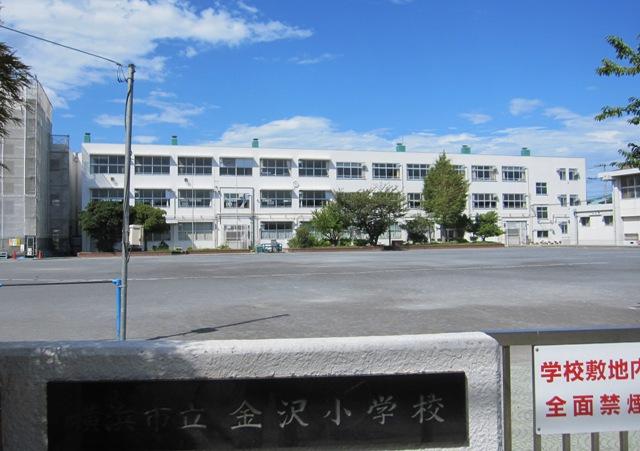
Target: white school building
(239, 197)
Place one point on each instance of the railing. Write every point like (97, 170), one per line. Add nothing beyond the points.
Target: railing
(542, 337)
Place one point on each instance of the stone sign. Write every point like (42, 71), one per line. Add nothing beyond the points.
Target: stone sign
(368, 412)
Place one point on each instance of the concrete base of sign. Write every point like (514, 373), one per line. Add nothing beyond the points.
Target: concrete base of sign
(25, 369)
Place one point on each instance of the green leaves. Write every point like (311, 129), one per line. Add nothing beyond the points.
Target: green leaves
(444, 193)
(330, 222)
(624, 52)
(14, 77)
(371, 211)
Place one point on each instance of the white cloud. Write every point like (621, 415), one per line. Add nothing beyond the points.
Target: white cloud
(575, 135)
(189, 52)
(519, 106)
(248, 8)
(145, 139)
(157, 108)
(126, 31)
(305, 60)
(476, 118)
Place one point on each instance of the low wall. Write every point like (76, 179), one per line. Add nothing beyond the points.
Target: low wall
(29, 370)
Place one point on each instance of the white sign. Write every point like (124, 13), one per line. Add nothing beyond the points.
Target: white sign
(587, 388)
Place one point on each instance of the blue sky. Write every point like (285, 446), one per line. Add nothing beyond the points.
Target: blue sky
(356, 74)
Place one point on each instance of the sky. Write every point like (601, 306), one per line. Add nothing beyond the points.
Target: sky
(337, 74)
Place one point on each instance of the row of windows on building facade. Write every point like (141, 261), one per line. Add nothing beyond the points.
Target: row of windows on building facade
(114, 164)
(203, 198)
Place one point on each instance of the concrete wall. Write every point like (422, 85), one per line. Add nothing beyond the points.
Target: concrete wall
(25, 369)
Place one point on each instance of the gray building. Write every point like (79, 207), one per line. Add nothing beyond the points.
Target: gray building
(34, 187)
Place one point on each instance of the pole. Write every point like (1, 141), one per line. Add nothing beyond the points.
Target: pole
(128, 126)
(118, 285)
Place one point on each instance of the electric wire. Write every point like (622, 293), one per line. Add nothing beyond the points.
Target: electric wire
(62, 45)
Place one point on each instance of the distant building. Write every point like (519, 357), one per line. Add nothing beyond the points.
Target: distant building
(237, 197)
(616, 223)
(34, 189)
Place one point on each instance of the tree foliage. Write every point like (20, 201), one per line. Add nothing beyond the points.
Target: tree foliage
(624, 53)
(371, 211)
(151, 219)
(330, 222)
(419, 229)
(444, 193)
(486, 225)
(103, 222)
(14, 77)
(304, 237)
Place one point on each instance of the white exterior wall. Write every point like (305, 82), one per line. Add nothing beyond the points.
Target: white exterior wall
(593, 230)
(538, 169)
(626, 211)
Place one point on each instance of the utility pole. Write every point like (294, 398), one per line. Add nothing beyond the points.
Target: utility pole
(128, 126)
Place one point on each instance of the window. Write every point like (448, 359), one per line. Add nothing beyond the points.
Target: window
(275, 199)
(313, 168)
(460, 169)
(194, 198)
(314, 199)
(585, 221)
(574, 174)
(55, 200)
(394, 230)
(608, 220)
(153, 197)
(541, 188)
(417, 171)
(195, 231)
(574, 200)
(542, 213)
(159, 236)
(236, 200)
(275, 168)
(483, 173)
(513, 201)
(630, 186)
(542, 233)
(386, 171)
(562, 198)
(152, 165)
(107, 194)
(513, 174)
(482, 201)
(564, 228)
(106, 164)
(276, 230)
(195, 165)
(414, 200)
(562, 173)
(236, 166)
(348, 170)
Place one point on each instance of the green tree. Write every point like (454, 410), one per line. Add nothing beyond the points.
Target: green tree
(103, 222)
(14, 77)
(419, 229)
(371, 211)
(444, 193)
(486, 225)
(151, 219)
(330, 222)
(624, 53)
(303, 237)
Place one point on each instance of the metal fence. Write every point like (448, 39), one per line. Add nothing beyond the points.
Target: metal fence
(546, 337)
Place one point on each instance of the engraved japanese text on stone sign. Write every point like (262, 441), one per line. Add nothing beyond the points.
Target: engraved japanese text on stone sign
(363, 411)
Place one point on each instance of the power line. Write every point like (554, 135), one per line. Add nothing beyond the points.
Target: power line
(62, 45)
